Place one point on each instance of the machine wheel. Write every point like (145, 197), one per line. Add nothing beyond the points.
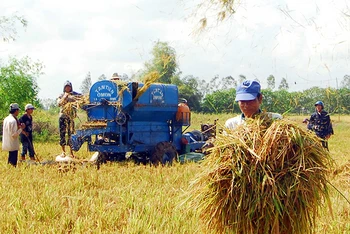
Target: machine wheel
(164, 153)
(204, 127)
(120, 118)
(198, 135)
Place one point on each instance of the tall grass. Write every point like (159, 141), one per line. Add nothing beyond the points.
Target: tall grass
(128, 198)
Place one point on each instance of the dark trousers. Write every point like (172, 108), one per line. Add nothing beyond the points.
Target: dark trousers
(13, 157)
(27, 146)
(66, 127)
(324, 143)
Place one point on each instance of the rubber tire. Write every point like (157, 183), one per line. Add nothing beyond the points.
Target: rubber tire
(164, 153)
(198, 135)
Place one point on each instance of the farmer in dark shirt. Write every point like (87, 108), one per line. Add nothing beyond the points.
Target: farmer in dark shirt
(27, 134)
(320, 123)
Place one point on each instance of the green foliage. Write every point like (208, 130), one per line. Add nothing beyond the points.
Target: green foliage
(279, 101)
(18, 83)
(45, 125)
(222, 101)
(188, 89)
(218, 95)
(282, 101)
(343, 100)
(163, 61)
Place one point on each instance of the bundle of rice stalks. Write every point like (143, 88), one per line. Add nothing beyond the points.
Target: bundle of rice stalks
(94, 124)
(70, 108)
(122, 86)
(264, 177)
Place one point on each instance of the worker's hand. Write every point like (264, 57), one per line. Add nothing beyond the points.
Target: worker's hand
(305, 120)
(64, 99)
(22, 126)
(25, 133)
(328, 136)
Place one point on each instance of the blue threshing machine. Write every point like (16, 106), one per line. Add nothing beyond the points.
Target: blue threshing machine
(149, 126)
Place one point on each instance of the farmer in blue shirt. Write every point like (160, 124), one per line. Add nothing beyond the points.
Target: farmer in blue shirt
(320, 123)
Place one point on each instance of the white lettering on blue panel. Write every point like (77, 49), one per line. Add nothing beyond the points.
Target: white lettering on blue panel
(105, 91)
(157, 96)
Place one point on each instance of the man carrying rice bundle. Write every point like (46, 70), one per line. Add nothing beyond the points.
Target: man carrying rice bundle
(264, 175)
(249, 98)
(66, 116)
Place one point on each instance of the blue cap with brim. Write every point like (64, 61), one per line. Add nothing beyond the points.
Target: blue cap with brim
(248, 90)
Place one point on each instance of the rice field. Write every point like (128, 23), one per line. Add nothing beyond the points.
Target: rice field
(128, 198)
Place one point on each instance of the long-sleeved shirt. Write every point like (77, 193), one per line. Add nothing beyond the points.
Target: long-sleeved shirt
(10, 131)
(321, 124)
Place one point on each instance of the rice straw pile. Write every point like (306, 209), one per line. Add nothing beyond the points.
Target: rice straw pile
(263, 177)
(122, 86)
(148, 79)
(70, 108)
(94, 124)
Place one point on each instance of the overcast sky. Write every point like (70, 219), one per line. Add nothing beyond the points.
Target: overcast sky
(306, 42)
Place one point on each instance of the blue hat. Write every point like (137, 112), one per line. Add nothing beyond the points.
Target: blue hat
(248, 90)
(319, 103)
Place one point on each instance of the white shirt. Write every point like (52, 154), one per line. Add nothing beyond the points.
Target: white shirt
(240, 119)
(10, 133)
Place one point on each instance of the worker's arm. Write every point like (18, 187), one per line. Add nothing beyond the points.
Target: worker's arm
(15, 131)
(62, 100)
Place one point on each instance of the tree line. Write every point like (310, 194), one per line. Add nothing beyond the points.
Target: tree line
(18, 82)
(218, 95)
